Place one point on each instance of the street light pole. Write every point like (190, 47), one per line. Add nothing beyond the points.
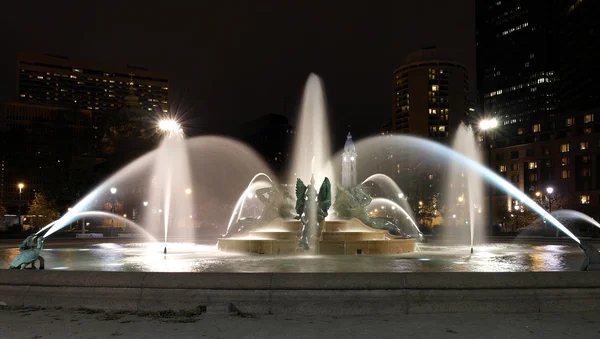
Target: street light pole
(20, 186)
(550, 190)
(113, 191)
(486, 125)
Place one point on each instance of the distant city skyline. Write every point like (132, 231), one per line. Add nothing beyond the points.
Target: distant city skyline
(241, 62)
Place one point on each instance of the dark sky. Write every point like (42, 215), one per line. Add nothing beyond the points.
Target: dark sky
(231, 61)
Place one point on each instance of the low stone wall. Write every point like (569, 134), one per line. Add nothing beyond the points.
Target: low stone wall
(305, 293)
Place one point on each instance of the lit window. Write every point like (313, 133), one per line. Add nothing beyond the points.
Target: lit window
(587, 130)
(570, 122)
(520, 131)
(432, 111)
(564, 148)
(586, 159)
(434, 87)
(442, 129)
(533, 165)
(536, 128)
(565, 174)
(584, 145)
(502, 168)
(564, 161)
(584, 199)
(585, 172)
(588, 118)
(532, 177)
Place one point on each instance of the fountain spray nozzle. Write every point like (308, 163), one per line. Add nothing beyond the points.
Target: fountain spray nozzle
(165, 251)
(471, 250)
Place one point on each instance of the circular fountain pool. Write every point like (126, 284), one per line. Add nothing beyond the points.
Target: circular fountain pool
(435, 256)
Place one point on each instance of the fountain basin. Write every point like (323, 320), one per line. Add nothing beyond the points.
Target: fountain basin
(339, 237)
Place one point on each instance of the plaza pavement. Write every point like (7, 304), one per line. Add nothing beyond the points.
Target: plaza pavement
(42, 323)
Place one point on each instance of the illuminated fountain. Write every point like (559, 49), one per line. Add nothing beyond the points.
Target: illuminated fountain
(465, 186)
(353, 231)
(197, 175)
(170, 196)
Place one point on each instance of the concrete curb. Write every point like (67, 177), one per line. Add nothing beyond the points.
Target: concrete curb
(306, 293)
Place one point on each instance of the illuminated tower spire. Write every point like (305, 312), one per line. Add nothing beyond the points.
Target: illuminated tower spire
(349, 163)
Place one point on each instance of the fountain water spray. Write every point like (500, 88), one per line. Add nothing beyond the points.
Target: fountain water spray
(464, 180)
(239, 205)
(171, 179)
(430, 147)
(391, 191)
(312, 150)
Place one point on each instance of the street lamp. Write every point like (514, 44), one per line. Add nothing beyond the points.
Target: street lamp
(486, 125)
(169, 126)
(145, 204)
(550, 190)
(113, 191)
(20, 186)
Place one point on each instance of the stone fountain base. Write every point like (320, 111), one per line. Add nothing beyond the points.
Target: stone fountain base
(339, 237)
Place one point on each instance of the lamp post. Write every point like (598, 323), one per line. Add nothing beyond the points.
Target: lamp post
(550, 190)
(113, 191)
(486, 125)
(20, 186)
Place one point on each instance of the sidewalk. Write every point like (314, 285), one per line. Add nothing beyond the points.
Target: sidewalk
(52, 323)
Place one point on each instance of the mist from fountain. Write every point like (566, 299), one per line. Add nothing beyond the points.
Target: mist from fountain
(565, 216)
(312, 146)
(239, 205)
(170, 189)
(389, 209)
(464, 186)
(428, 147)
(219, 166)
(391, 191)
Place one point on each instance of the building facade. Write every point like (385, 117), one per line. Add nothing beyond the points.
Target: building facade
(60, 81)
(40, 145)
(517, 58)
(430, 95)
(50, 137)
(561, 152)
(579, 52)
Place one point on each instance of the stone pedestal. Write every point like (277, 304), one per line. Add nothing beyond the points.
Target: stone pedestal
(338, 237)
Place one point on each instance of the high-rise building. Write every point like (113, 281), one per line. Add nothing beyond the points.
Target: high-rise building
(47, 148)
(430, 95)
(579, 53)
(60, 81)
(430, 100)
(516, 58)
(50, 137)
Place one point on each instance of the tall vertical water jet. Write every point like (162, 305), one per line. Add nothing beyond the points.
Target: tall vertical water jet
(170, 197)
(464, 185)
(312, 150)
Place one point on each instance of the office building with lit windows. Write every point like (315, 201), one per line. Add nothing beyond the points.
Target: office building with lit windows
(579, 52)
(60, 81)
(561, 152)
(517, 57)
(430, 100)
(430, 95)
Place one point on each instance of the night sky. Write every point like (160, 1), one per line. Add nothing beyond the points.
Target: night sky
(232, 61)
